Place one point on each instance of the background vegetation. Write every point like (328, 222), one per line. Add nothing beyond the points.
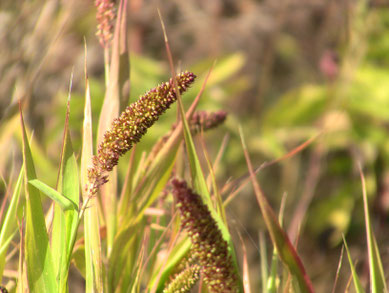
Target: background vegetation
(288, 72)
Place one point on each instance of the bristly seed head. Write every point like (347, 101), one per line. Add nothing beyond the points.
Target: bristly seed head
(131, 125)
(105, 17)
(185, 280)
(208, 245)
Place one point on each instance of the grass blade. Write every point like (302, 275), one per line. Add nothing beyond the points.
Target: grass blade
(246, 271)
(377, 277)
(357, 282)
(338, 270)
(66, 221)
(280, 239)
(200, 184)
(9, 225)
(64, 202)
(39, 262)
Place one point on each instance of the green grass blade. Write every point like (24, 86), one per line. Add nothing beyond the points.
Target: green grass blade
(124, 256)
(64, 202)
(66, 222)
(280, 239)
(271, 283)
(9, 225)
(156, 182)
(179, 251)
(93, 260)
(39, 262)
(377, 277)
(357, 282)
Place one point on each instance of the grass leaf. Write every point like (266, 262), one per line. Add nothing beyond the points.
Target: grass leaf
(66, 222)
(60, 199)
(39, 262)
(280, 239)
(357, 282)
(9, 225)
(377, 277)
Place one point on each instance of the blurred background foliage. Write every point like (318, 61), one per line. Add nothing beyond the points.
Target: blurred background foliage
(286, 71)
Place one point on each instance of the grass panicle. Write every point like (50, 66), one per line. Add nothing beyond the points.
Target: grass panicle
(131, 125)
(105, 17)
(208, 245)
(185, 280)
(204, 120)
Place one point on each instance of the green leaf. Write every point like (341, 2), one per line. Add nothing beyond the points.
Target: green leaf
(178, 252)
(39, 262)
(124, 256)
(66, 222)
(61, 200)
(78, 258)
(9, 225)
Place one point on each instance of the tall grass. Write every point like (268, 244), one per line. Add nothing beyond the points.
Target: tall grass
(132, 218)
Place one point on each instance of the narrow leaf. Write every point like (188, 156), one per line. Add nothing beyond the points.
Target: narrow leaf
(357, 282)
(93, 261)
(40, 268)
(198, 178)
(66, 222)
(280, 239)
(377, 277)
(61, 200)
(9, 225)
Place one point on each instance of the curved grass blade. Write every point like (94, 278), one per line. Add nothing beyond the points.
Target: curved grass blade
(64, 202)
(279, 238)
(39, 262)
